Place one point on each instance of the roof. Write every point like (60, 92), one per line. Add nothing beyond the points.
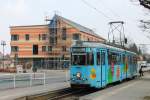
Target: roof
(29, 26)
(93, 44)
(76, 25)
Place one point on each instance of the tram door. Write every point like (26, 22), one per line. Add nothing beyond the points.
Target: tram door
(124, 66)
(102, 67)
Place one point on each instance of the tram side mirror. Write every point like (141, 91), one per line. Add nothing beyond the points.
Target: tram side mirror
(125, 41)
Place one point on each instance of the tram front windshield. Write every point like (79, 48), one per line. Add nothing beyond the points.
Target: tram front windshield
(79, 59)
(83, 59)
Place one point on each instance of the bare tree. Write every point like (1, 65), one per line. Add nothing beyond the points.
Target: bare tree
(145, 24)
(133, 47)
(145, 3)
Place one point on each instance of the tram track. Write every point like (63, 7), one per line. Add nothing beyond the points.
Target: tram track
(66, 95)
(69, 93)
(73, 95)
(63, 94)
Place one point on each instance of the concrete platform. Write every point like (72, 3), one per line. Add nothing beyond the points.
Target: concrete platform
(137, 89)
(12, 94)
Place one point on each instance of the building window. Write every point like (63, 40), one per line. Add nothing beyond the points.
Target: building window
(76, 36)
(43, 48)
(49, 48)
(63, 48)
(14, 37)
(44, 36)
(39, 36)
(35, 49)
(53, 40)
(27, 36)
(14, 48)
(64, 34)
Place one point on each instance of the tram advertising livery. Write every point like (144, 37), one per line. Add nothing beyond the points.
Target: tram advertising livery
(97, 65)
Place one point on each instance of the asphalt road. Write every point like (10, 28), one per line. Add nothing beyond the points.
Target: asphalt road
(6, 82)
(137, 89)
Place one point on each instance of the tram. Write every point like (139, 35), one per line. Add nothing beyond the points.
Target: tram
(96, 64)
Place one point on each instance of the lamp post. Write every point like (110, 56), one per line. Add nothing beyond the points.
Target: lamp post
(3, 43)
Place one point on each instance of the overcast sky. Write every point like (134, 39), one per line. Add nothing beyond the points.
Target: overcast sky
(32, 12)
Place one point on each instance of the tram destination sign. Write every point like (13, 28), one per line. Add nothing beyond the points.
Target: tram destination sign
(78, 49)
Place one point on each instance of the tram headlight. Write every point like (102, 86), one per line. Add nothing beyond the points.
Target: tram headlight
(78, 75)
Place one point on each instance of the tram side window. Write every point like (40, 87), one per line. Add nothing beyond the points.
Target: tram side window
(90, 58)
(103, 58)
(129, 59)
(109, 58)
(120, 60)
(98, 58)
(112, 58)
(124, 58)
(134, 60)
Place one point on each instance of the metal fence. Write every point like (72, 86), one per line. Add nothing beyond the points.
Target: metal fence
(8, 81)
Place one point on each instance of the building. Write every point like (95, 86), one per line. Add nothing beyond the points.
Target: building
(7, 61)
(1, 60)
(47, 45)
(1, 56)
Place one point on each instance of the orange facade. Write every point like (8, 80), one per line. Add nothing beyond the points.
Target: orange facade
(34, 41)
(25, 47)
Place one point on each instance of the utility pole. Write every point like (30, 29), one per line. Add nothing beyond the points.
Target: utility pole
(3, 43)
(116, 26)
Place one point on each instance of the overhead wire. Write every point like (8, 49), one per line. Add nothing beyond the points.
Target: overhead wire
(110, 10)
(102, 13)
(97, 10)
(106, 16)
(114, 13)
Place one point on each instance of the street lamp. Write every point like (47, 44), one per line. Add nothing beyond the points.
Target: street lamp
(3, 43)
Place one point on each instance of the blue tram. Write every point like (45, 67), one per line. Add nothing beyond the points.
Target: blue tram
(96, 64)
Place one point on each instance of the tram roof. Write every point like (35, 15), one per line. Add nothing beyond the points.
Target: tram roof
(99, 44)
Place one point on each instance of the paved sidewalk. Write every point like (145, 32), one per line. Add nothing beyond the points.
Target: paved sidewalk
(12, 94)
(137, 89)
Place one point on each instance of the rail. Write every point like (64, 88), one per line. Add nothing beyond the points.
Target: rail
(65, 94)
(62, 94)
